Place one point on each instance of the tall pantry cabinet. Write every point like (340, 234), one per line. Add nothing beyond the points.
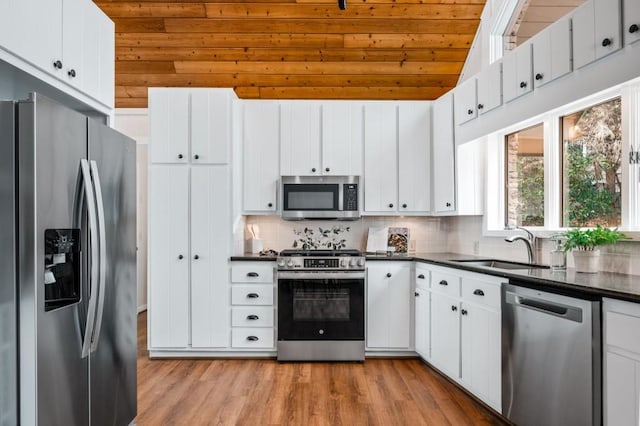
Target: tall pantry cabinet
(190, 218)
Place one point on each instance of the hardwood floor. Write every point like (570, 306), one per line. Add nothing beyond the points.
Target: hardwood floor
(265, 392)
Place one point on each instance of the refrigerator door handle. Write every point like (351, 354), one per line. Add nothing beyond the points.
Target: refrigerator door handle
(85, 195)
(102, 244)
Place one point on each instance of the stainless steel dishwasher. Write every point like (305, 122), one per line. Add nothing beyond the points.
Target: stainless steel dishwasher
(551, 363)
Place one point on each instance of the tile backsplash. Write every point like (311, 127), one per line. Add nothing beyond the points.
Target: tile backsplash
(459, 234)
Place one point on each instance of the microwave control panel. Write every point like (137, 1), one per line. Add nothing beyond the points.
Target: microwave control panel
(350, 196)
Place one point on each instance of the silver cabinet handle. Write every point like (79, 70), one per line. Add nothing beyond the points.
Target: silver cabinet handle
(102, 245)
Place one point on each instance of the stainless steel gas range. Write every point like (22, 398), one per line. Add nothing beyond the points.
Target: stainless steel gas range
(321, 305)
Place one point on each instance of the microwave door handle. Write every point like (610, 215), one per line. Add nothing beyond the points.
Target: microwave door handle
(102, 246)
(85, 196)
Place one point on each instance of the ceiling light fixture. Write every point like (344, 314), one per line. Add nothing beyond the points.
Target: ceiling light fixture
(342, 4)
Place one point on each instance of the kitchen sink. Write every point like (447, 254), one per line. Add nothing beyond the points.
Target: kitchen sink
(500, 264)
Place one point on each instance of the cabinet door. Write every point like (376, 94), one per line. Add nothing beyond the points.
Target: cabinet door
(169, 122)
(481, 353)
(490, 88)
(300, 138)
(261, 137)
(389, 305)
(210, 126)
(210, 249)
(342, 138)
(423, 323)
(607, 30)
(465, 101)
(631, 18)
(541, 44)
(445, 334)
(584, 48)
(168, 256)
(517, 72)
(414, 157)
(78, 39)
(560, 48)
(470, 177)
(380, 157)
(443, 155)
(621, 390)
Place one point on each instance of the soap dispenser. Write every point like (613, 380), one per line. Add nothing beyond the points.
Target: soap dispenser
(558, 255)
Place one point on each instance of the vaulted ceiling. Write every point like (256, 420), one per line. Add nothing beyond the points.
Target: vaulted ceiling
(292, 49)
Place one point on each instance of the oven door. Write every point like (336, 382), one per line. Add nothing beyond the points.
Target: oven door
(321, 306)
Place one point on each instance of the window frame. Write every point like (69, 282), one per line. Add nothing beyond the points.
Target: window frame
(495, 218)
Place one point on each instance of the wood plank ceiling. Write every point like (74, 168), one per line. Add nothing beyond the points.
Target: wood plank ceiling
(292, 49)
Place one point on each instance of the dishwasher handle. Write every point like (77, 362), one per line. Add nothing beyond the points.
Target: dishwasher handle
(548, 307)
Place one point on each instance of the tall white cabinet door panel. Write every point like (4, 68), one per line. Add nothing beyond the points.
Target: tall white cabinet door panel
(584, 48)
(631, 21)
(78, 44)
(608, 32)
(423, 323)
(300, 138)
(210, 247)
(621, 390)
(380, 157)
(481, 352)
(105, 69)
(169, 256)
(443, 155)
(342, 138)
(490, 88)
(169, 122)
(261, 136)
(560, 49)
(210, 126)
(445, 334)
(466, 99)
(414, 157)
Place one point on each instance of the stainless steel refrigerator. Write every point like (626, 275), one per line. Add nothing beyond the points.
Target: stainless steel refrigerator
(68, 268)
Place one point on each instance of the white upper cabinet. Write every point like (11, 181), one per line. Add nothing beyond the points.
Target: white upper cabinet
(470, 177)
(552, 52)
(169, 122)
(210, 126)
(414, 157)
(380, 157)
(517, 72)
(300, 138)
(466, 101)
(260, 147)
(443, 155)
(631, 21)
(490, 88)
(342, 138)
(596, 31)
(190, 125)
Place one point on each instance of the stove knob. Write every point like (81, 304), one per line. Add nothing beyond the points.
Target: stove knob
(352, 262)
(280, 262)
(344, 263)
(361, 261)
(290, 263)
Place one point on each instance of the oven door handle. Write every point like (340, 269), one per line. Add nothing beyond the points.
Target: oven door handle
(320, 275)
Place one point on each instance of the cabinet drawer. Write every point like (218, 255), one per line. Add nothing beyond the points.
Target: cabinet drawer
(248, 294)
(444, 283)
(261, 338)
(422, 277)
(252, 316)
(623, 330)
(252, 272)
(481, 292)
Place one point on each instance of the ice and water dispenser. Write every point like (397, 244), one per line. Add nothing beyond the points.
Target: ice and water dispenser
(62, 259)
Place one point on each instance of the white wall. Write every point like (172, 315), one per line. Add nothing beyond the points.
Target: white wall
(134, 122)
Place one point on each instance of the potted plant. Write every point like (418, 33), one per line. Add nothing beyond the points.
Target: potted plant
(584, 242)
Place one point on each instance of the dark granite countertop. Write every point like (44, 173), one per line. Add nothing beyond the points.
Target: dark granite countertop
(602, 284)
(605, 284)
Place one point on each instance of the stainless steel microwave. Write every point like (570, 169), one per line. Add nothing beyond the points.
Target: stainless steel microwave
(320, 197)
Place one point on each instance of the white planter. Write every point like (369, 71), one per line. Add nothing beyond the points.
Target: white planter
(586, 260)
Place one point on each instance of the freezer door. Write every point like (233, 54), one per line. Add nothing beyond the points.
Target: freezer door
(113, 357)
(54, 376)
(8, 342)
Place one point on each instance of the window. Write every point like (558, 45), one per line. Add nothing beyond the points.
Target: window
(524, 194)
(591, 166)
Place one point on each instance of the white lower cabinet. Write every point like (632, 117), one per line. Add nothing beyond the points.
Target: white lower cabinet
(389, 302)
(252, 306)
(466, 330)
(422, 306)
(621, 363)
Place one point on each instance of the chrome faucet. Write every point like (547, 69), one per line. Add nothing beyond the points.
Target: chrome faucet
(530, 241)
